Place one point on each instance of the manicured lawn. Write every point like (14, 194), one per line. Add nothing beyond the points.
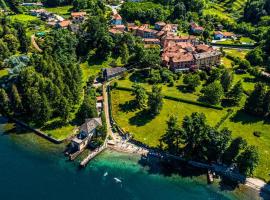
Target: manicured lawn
(243, 125)
(226, 62)
(149, 130)
(93, 69)
(236, 53)
(248, 81)
(63, 11)
(60, 133)
(175, 91)
(22, 18)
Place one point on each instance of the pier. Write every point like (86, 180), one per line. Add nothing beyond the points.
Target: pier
(93, 154)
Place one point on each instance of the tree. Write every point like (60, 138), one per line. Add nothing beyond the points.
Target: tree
(16, 99)
(65, 109)
(179, 11)
(22, 38)
(226, 80)
(266, 103)
(214, 75)
(172, 136)
(255, 56)
(4, 102)
(155, 100)
(4, 51)
(124, 54)
(140, 96)
(248, 160)
(213, 93)
(236, 93)
(232, 152)
(254, 103)
(12, 41)
(88, 108)
(150, 58)
(192, 81)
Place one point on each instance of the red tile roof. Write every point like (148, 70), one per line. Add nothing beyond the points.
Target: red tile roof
(117, 16)
(78, 14)
(64, 23)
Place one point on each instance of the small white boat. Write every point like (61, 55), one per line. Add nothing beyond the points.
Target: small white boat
(105, 174)
(117, 180)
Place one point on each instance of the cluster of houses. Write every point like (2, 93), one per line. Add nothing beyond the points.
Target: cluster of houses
(179, 53)
(57, 21)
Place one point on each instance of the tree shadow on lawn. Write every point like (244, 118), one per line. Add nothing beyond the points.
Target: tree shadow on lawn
(138, 77)
(245, 118)
(128, 106)
(141, 118)
(263, 194)
(184, 89)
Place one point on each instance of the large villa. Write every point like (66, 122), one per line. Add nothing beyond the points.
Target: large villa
(178, 53)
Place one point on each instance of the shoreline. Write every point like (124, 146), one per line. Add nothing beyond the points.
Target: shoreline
(250, 182)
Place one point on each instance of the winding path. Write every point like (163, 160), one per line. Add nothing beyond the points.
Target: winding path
(35, 45)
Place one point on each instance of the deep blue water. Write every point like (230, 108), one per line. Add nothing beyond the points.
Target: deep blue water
(33, 169)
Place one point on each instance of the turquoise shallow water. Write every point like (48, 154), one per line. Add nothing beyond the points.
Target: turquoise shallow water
(32, 168)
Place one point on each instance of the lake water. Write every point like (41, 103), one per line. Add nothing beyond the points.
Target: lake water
(34, 169)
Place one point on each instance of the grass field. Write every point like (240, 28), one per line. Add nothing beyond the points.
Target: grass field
(22, 18)
(242, 124)
(63, 11)
(236, 53)
(3, 73)
(149, 130)
(176, 91)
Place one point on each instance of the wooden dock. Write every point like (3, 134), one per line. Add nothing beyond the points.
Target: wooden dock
(93, 154)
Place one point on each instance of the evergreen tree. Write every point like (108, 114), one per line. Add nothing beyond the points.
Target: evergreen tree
(65, 109)
(254, 103)
(4, 102)
(236, 93)
(226, 80)
(213, 93)
(172, 136)
(124, 54)
(140, 96)
(248, 160)
(4, 51)
(155, 100)
(13, 43)
(266, 103)
(22, 38)
(16, 99)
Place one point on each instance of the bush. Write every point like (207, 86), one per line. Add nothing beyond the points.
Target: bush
(257, 133)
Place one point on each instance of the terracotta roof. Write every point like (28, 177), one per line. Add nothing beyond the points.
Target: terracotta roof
(161, 23)
(185, 57)
(78, 14)
(218, 33)
(203, 48)
(64, 23)
(100, 98)
(228, 34)
(117, 16)
(115, 31)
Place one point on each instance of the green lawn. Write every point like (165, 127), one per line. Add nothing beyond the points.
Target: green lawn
(148, 130)
(226, 62)
(60, 133)
(175, 91)
(242, 124)
(22, 18)
(93, 69)
(63, 11)
(248, 81)
(236, 53)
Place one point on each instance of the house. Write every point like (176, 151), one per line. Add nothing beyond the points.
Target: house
(86, 131)
(114, 31)
(179, 56)
(63, 24)
(159, 25)
(78, 17)
(151, 41)
(109, 73)
(207, 59)
(37, 12)
(116, 19)
(119, 27)
(32, 4)
(218, 35)
(195, 28)
(145, 32)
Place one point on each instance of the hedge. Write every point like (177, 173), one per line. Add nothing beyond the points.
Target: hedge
(179, 99)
